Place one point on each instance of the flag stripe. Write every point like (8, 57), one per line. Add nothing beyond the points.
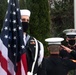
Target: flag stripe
(4, 61)
(3, 50)
(24, 62)
(2, 71)
(3, 57)
(18, 69)
(10, 69)
(22, 69)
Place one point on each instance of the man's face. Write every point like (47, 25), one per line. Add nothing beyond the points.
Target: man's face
(71, 41)
(25, 18)
(25, 23)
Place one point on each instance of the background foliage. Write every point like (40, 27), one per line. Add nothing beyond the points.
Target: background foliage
(62, 16)
(3, 6)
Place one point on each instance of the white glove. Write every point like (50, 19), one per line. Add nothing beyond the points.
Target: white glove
(29, 73)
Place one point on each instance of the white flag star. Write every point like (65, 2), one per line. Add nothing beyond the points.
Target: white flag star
(14, 46)
(6, 36)
(14, 21)
(6, 28)
(8, 45)
(14, 13)
(7, 12)
(20, 28)
(23, 46)
(6, 20)
(13, 4)
(17, 9)
(14, 29)
(14, 37)
(9, 29)
(14, 54)
(20, 20)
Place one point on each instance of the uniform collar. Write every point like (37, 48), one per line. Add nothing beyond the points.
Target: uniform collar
(24, 35)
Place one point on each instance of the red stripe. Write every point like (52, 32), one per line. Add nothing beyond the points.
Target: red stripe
(24, 61)
(8, 73)
(0, 56)
(4, 63)
(18, 69)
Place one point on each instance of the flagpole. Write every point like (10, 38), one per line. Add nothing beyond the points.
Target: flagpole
(75, 23)
(75, 14)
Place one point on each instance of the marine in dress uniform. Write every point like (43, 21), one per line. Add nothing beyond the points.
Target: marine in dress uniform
(71, 42)
(34, 48)
(55, 64)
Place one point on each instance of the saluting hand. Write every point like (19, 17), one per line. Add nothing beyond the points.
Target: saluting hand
(66, 48)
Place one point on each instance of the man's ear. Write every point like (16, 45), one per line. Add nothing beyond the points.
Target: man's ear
(67, 39)
(48, 48)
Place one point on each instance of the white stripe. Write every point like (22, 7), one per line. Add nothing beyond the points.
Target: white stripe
(22, 69)
(11, 67)
(2, 71)
(4, 50)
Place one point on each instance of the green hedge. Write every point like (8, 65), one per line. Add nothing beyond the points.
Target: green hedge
(3, 7)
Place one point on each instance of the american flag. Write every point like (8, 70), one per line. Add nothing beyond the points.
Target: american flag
(12, 56)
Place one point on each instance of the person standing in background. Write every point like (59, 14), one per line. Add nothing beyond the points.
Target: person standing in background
(34, 48)
(71, 43)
